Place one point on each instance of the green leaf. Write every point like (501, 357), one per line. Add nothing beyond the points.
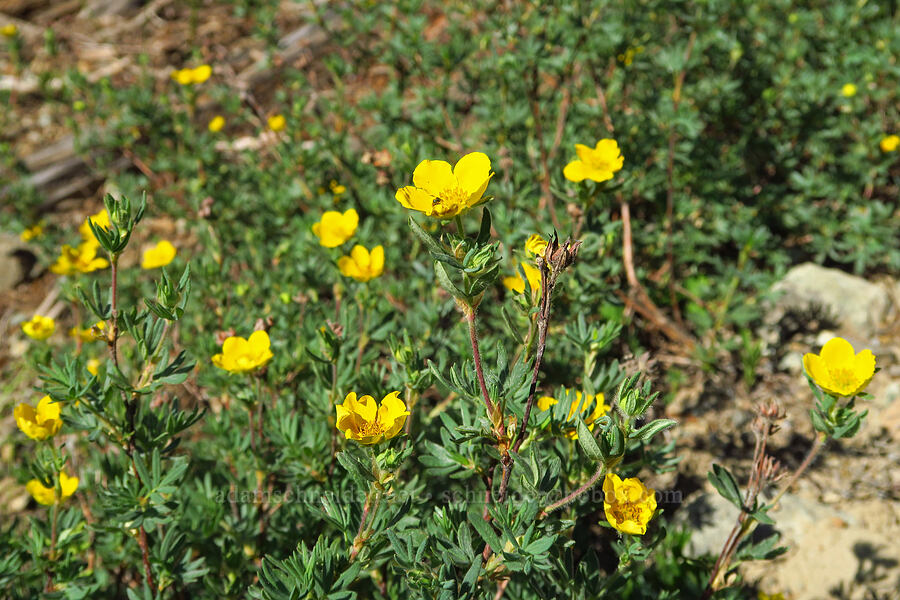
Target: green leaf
(587, 442)
(649, 430)
(447, 283)
(725, 483)
(430, 243)
(484, 234)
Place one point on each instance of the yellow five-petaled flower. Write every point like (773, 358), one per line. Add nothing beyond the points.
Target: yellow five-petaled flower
(158, 256)
(241, 355)
(336, 228)
(30, 233)
(192, 76)
(838, 370)
(216, 124)
(362, 265)
(276, 122)
(41, 422)
(48, 496)
(81, 259)
(444, 192)
(889, 143)
(597, 164)
(39, 327)
(579, 406)
(629, 504)
(368, 423)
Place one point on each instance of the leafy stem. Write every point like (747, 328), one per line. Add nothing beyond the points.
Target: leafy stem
(601, 471)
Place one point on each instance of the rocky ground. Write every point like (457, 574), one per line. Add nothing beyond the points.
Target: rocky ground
(841, 522)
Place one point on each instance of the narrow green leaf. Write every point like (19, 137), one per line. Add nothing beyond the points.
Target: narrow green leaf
(587, 442)
(430, 243)
(648, 431)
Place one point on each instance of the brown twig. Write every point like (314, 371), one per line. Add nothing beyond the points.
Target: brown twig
(145, 557)
(638, 298)
(764, 470)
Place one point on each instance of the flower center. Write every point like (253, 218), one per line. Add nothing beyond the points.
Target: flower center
(451, 199)
(370, 428)
(844, 378)
(599, 163)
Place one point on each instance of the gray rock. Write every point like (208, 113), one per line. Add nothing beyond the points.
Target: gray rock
(858, 305)
(16, 261)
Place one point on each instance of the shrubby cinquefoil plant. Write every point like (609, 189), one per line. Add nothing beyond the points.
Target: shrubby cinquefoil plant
(390, 369)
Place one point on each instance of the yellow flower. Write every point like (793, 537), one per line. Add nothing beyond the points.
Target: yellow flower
(38, 423)
(517, 284)
(48, 496)
(91, 334)
(9, 30)
(183, 76)
(201, 73)
(368, 423)
(888, 143)
(35, 231)
(597, 164)
(93, 366)
(762, 596)
(82, 259)
(240, 355)
(158, 256)
(580, 407)
(848, 90)
(39, 327)
(362, 265)
(277, 122)
(628, 504)
(837, 370)
(192, 76)
(336, 188)
(335, 228)
(216, 124)
(444, 192)
(101, 219)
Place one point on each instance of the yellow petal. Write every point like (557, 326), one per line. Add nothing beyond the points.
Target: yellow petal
(584, 153)
(864, 364)
(392, 414)
(364, 406)
(258, 342)
(473, 171)
(434, 176)
(67, 484)
(43, 495)
(360, 256)
(201, 73)
(415, 199)
(348, 268)
(837, 351)
(377, 261)
(545, 402)
(514, 284)
(351, 220)
(575, 171)
(47, 409)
